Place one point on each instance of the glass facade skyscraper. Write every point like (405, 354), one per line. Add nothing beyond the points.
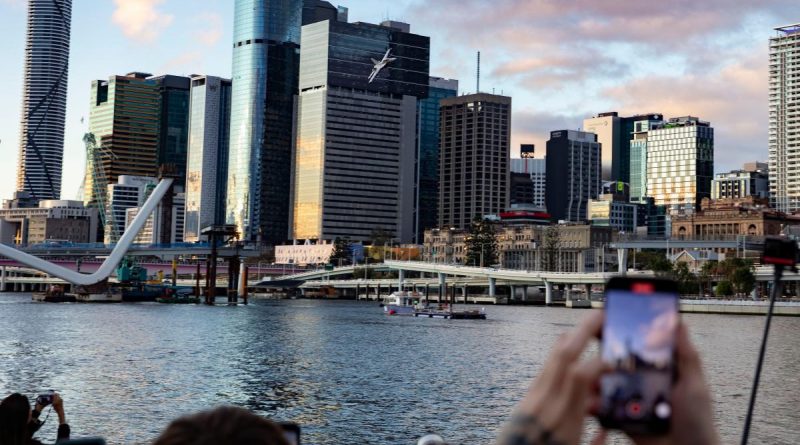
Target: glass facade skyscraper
(173, 133)
(124, 118)
(638, 157)
(680, 162)
(266, 35)
(44, 98)
(573, 174)
(206, 170)
(428, 156)
(354, 166)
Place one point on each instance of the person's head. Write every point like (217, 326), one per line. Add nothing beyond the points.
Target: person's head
(226, 425)
(15, 415)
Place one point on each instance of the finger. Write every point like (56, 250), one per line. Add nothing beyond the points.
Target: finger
(576, 341)
(600, 437)
(574, 398)
(688, 358)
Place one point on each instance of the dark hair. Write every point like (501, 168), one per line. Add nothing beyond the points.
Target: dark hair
(225, 425)
(15, 411)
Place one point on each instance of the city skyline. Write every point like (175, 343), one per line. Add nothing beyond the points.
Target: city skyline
(555, 89)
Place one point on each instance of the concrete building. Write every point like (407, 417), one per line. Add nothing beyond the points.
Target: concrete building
(579, 248)
(621, 216)
(354, 166)
(536, 169)
(427, 208)
(207, 163)
(44, 98)
(474, 157)
(784, 124)
(166, 224)
(124, 117)
(614, 133)
(680, 162)
(128, 192)
(54, 221)
(751, 180)
(731, 218)
(573, 174)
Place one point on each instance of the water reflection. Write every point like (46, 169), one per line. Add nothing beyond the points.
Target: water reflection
(341, 369)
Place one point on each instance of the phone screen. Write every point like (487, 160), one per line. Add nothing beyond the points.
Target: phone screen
(638, 345)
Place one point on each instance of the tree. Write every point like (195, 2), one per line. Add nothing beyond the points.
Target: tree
(341, 252)
(654, 260)
(480, 243)
(687, 281)
(743, 280)
(723, 289)
(552, 243)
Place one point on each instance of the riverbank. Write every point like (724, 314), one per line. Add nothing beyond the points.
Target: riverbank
(729, 307)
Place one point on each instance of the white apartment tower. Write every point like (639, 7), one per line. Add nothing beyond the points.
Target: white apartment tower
(784, 118)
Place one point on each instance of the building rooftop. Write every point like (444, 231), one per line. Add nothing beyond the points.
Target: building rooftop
(788, 29)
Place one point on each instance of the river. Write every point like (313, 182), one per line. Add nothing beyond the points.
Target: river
(341, 369)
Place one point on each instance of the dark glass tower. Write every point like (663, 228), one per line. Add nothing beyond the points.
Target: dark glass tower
(173, 138)
(428, 157)
(44, 98)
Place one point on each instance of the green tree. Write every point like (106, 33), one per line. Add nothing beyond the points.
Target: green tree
(724, 289)
(341, 252)
(655, 260)
(480, 243)
(687, 281)
(743, 280)
(551, 245)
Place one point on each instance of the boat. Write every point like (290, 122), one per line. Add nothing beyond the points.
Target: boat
(446, 311)
(110, 295)
(400, 303)
(141, 293)
(178, 295)
(54, 294)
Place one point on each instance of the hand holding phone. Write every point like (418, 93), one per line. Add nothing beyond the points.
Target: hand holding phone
(638, 346)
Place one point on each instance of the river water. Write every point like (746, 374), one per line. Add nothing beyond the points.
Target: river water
(341, 369)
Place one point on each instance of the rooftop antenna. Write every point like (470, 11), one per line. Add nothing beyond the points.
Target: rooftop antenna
(478, 75)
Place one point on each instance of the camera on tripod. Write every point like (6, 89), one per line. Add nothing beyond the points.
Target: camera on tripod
(779, 251)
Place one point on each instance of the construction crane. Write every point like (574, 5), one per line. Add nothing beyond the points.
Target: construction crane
(94, 170)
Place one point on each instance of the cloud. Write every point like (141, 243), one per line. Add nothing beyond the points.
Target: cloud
(15, 3)
(139, 20)
(210, 25)
(733, 99)
(530, 126)
(187, 62)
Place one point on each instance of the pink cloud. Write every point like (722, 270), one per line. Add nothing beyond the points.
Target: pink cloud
(140, 20)
(210, 28)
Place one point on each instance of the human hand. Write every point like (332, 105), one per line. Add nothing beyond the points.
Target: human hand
(58, 406)
(692, 419)
(559, 399)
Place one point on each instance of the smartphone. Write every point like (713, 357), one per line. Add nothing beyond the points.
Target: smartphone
(291, 432)
(638, 345)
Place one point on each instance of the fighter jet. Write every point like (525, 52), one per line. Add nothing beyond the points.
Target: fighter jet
(380, 64)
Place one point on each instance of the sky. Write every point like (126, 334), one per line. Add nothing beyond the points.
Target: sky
(560, 60)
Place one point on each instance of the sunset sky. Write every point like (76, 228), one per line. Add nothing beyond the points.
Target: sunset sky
(560, 60)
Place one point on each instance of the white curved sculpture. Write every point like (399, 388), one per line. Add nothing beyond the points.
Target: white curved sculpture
(108, 266)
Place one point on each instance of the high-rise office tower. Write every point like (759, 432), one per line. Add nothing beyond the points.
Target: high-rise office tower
(784, 124)
(573, 174)
(474, 155)
(173, 133)
(680, 162)
(357, 130)
(428, 156)
(124, 118)
(44, 98)
(614, 133)
(266, 58)
(206, 166)
(638, 157)
(536, 169)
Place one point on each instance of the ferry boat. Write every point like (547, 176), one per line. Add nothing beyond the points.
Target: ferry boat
(447, 312)
(400, 303)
